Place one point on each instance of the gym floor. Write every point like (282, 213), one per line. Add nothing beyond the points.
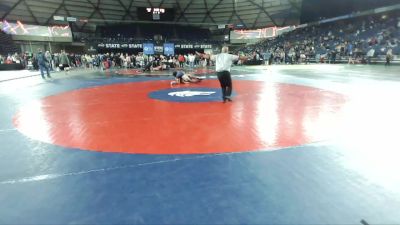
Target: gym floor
(301, 144)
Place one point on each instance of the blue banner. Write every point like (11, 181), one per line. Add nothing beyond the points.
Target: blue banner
(169, 49)
(148, 48)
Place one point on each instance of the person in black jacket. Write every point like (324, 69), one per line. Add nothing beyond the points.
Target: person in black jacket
(43, 64)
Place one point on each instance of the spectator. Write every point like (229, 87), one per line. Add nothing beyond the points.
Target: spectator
(389, 56)
(43, 64)
(370, 54)
(64, 61)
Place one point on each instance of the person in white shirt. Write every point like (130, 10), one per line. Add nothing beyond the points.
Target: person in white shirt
(389, 56)
(223, 63)
(370, 54)
(192, 57)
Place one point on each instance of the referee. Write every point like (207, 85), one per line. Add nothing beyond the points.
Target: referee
(223, 63)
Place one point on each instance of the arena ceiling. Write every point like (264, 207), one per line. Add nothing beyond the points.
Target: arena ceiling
(205, 13)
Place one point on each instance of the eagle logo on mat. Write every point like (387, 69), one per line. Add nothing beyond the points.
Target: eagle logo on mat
(188, 95)
(191, 93)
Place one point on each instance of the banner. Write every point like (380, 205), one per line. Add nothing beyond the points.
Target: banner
(22, 32)
(193, 46)
(148, 48)
(158, 49)
(221, 26)
(151, 49)
(19, 28)
(119, 46)
(169, 49)
(72, 19)
(252, 34)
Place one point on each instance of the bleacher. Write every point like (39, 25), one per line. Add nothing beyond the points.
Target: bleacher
(7, 45)
(378, 32)
(148, 31)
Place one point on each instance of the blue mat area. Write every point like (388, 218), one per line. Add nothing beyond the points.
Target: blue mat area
(330, 182)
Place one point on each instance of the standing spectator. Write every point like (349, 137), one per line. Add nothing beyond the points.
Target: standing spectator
(350, 49)
(42, 62)
(181, 60)
(56, 61)
(389, 56)
(49, 60)
(333, 57)
(64, 61)
(370, 54)
(191, 57)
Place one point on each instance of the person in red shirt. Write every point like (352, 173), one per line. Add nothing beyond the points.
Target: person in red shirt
(181, 60)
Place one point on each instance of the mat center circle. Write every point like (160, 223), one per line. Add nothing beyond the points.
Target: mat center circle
(150, 118)
(195, 94)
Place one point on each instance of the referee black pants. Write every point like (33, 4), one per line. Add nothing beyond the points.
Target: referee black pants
(225, 80)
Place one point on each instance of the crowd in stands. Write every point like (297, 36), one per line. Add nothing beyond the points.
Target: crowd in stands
(355, 41)
(13, 58)
(7, 45)
(60, 61)
(122, 40)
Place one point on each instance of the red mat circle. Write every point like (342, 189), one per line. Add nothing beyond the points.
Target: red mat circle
(122, 118)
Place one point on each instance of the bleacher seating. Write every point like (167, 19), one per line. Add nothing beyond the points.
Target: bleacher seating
(148, 31)
(377, 32)
(7, 45)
